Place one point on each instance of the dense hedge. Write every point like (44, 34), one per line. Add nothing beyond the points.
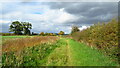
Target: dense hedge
(104, 36)
(7, 34)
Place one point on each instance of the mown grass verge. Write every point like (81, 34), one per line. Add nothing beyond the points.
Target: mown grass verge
(83, 55)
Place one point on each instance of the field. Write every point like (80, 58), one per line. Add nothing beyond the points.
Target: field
(50, 51)
(59, 34)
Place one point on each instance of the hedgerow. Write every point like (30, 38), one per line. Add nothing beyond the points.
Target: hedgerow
(104, 36)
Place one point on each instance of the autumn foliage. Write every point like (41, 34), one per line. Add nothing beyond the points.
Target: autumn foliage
(104, 36)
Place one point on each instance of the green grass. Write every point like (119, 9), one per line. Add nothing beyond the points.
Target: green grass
(83, 55)
(15, 36)
(73, 53)
(3, 38)
(64, 52)
(60, 56)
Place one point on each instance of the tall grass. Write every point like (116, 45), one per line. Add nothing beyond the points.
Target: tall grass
(20, 43)
(29, 56)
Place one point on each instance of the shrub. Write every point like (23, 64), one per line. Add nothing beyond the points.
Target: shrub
(61, 33)
(42, 33)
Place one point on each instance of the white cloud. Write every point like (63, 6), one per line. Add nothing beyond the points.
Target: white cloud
(42, 17)
(62, 9)
(16, 15)
(38, 13)
(83, 27)
(62, 17)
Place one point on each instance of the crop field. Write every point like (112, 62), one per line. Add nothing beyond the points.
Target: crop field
(50, 51)
(17, 42)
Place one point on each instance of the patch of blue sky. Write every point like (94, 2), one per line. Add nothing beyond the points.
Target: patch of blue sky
(38, 12)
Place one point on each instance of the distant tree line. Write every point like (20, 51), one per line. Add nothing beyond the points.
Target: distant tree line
(51, 34)
(23, 28)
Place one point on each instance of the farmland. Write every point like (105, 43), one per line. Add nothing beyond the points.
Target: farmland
(56, 33)
(50, 51)
(19, 42)
(94, 46)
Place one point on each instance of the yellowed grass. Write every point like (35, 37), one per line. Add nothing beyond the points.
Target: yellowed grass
(20, 43)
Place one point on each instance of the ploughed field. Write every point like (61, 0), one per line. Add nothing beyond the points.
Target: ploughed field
(50, 51)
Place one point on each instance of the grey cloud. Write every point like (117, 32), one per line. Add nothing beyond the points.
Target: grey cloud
(91, 12)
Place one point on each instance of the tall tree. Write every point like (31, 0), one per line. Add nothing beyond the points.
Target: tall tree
(26, 28)
(74, 29)
(16, 27)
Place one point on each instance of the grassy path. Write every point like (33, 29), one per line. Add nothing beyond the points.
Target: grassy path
(61, 56)
(73, 53)
(83, 55)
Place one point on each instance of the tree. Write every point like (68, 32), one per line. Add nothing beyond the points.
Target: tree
(74, 29)
(61, 33)
(42, 33)
(51, 34)
(16, 27)
(26, 27)
(46, 33)
(19, 27)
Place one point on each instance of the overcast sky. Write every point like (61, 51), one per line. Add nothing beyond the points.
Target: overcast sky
(56, 16)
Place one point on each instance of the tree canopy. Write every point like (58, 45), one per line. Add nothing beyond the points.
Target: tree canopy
(74, 29)
(20, 28)
(26, 27)
(16, 27)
